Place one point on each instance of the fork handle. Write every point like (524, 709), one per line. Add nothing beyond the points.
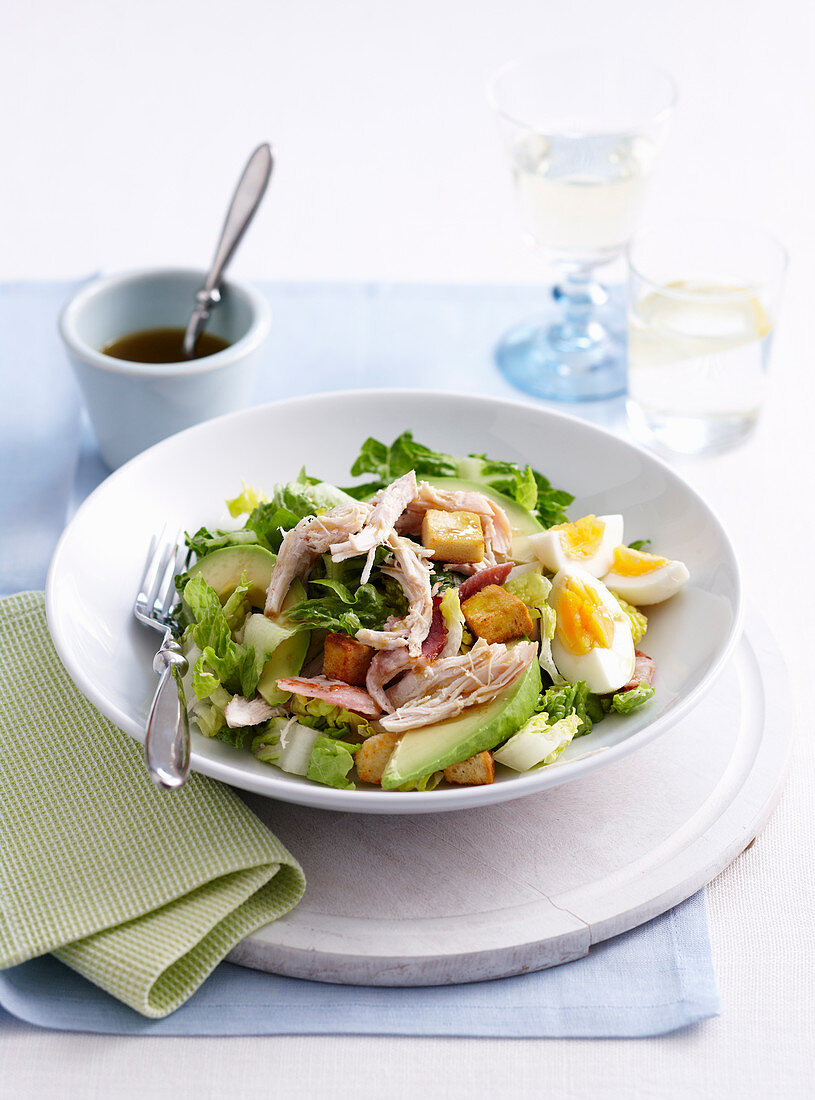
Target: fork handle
(167, 744)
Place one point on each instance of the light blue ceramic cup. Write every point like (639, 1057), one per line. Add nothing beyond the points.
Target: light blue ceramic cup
(134, 405)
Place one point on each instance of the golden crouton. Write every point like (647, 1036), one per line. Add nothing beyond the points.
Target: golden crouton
(453, 536)
(474, 771)
(344, 658)
(496, 615)
(372, 756)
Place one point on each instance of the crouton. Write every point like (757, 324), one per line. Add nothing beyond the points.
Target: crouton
(344, 658)
(473, 772)
(372, 756)
(497, 615)
(453, 536)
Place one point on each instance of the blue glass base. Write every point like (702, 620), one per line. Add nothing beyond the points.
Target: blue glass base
(542, 360)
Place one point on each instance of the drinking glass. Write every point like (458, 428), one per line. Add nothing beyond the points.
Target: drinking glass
(582, 131)
(703, 302)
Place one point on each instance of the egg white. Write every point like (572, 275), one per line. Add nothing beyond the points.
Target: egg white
(552, 554)
(605, 669)
(647, 588)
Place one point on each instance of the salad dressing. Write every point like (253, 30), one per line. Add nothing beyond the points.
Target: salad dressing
(161, 345)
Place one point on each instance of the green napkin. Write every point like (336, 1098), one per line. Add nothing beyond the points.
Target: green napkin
(142, 891)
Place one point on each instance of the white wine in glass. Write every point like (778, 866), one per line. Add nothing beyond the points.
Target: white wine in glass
(582, 131)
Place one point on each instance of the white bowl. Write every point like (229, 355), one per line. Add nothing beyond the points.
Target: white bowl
(183, 481)
(134, 405)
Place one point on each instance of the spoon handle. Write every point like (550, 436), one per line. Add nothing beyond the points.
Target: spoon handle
(250, 190)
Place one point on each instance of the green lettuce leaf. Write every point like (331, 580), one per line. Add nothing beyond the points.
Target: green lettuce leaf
(526, 487)
(235, 737)
(529, 488)
(389, 463)
(246, 501)
(537, 742)
(626, 701)
(337, 721)
(222, 660)
(330, 762)
(203, 542)
(559, 701)
(639, 623)
(342, 611)
(266, 742)
(639, 544)
(533, 588)
(209, 714)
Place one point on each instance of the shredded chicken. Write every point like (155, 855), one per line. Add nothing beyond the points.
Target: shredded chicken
(413, 574)
(445, 688)
(385, 666)
(389, 503)
(312, 536)
(494, 522)
(250, 712)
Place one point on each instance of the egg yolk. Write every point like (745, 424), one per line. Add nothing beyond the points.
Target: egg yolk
(583, 621)
(635, 563)
(581, 538)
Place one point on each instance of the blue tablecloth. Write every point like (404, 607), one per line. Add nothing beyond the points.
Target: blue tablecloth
(325, 336)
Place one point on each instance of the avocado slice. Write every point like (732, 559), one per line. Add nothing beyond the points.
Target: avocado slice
(433, 748)
(522, 522)
(224, 568)
(278, 645)
(287, 660)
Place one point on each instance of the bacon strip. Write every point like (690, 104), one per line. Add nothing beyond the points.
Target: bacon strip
(644, 671)
(497, 575)
(437, 635)
(336, 692)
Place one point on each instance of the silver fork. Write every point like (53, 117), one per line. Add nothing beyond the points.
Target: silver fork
(167, 740)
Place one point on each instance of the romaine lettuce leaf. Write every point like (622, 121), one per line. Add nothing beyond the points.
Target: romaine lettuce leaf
(533, 588)
(639, 623)
(559, 701)
(291, 502)
(538, 742)
(204, 541)
(208, 714)
(246, 501)
(330, 762)
(626, 701)
(324, 716)
(222, 660)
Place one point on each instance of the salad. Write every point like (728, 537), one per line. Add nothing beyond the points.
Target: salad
(437, 619)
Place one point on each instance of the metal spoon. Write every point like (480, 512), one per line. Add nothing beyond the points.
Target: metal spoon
(250, 190)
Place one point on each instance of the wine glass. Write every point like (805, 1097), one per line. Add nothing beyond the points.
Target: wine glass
(582, 131)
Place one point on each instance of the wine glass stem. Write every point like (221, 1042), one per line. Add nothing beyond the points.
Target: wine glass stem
(579, 294)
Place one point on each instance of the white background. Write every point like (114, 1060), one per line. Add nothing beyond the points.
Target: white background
(123, 127)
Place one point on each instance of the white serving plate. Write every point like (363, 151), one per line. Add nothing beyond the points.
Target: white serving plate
(539, 881)
(183, 481)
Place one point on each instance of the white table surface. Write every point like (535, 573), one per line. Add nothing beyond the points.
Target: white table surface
(123, 127)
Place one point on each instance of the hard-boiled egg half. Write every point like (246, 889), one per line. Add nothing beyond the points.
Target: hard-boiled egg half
(592, 639)
(588, 543)
(642, 578)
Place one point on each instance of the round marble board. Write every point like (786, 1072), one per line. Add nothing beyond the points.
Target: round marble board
(485, 893)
